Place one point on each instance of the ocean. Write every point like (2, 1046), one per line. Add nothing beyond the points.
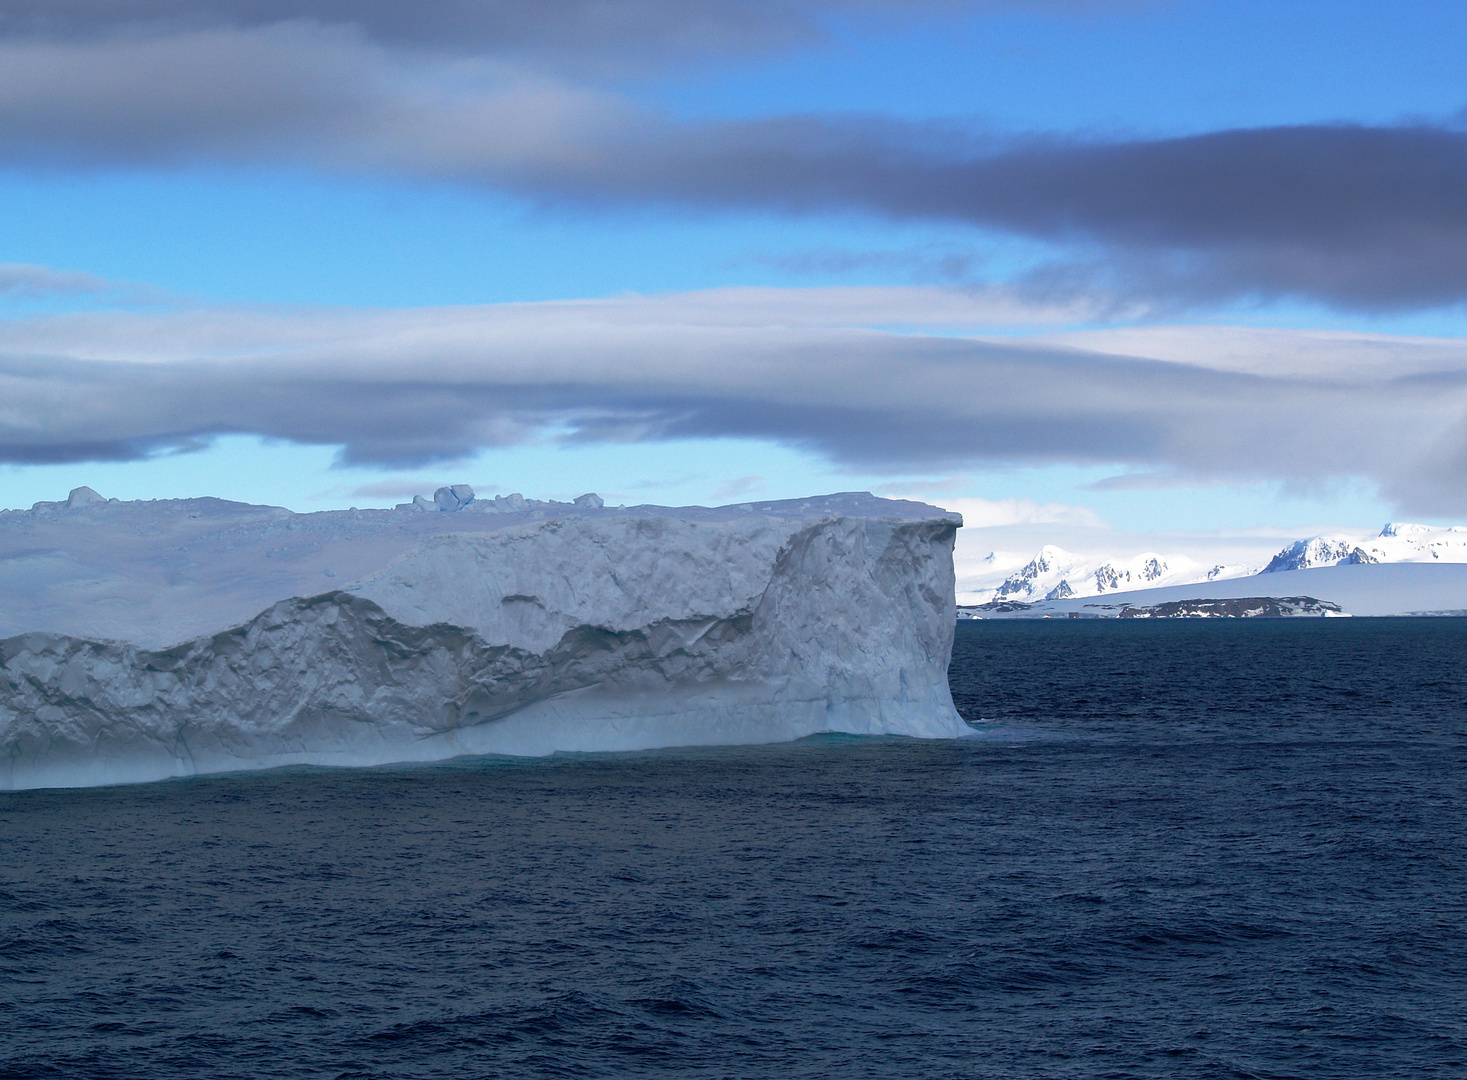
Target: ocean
(1189, 848)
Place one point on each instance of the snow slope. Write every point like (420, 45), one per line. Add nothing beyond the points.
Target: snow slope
(1398, 542)
(1407, 588)
(143, 640)
(1054, 574)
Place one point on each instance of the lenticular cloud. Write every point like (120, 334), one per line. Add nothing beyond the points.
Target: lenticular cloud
(806, 369)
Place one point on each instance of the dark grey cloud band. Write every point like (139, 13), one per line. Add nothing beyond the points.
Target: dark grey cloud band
(1361, 217)
(1356, 216)
(549, 29)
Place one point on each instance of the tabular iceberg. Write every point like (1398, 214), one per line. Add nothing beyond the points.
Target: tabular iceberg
(152, 639)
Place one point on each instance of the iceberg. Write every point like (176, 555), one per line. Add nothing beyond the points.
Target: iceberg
(143, 640)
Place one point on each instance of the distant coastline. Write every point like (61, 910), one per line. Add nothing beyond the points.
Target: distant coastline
(1361, 589)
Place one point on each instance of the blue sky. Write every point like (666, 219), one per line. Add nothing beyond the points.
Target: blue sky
(262, 248)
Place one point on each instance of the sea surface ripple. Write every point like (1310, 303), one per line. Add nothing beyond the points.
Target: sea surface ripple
(1180, 849)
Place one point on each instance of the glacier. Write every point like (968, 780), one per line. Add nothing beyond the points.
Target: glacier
(1408, 588)
(1397, 542)
(143, 640)
(1054, 574)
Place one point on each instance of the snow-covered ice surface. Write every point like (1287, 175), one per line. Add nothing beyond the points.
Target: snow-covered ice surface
(150, 639)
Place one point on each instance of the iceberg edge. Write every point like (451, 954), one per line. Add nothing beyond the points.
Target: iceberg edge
(584, 632)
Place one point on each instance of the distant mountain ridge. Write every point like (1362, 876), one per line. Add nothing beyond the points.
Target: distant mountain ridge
(1398, 542)
(1056, 574)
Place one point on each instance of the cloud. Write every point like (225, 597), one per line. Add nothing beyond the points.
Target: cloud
(1344, 354)
(565, 31)
(502, 96)
(1003, 513)
(29, 282)
(743, 485)
(1155, 481)
(1360, 217)
(922, 262)
(800, 367)
(396, 487)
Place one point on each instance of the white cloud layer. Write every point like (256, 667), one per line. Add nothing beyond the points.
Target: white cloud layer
(1001, 513)
(808, 368)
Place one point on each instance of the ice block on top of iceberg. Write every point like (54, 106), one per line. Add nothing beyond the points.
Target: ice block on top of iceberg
(152, 639)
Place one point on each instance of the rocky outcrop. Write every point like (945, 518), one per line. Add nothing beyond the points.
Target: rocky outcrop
(1245, 607)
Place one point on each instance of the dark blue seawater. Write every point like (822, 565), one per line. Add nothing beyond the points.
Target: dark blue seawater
(1179, 849)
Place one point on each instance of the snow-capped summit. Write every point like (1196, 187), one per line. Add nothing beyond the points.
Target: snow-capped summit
(1111, 577)
(1318, 551)
(1398, 542)
(1035, 577)
(1057, 574)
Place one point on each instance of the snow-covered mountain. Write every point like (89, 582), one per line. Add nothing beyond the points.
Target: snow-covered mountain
(1057, 574)
(1398, 542)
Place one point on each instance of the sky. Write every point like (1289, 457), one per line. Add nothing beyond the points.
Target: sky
(1161, 274)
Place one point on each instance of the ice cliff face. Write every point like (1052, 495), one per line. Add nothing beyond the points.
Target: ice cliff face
(143, 640)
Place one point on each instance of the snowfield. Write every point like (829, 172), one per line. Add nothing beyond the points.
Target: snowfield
(1054, 574)
(1353, 589)
(151, 639)
(1398, 542)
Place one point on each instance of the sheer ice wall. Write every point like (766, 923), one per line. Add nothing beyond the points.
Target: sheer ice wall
(144, 640)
